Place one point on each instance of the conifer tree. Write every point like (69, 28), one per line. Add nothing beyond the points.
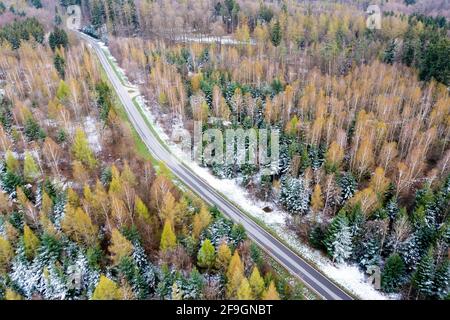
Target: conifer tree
(244, 291)
(6, 254)
(441, 280)
(141, 209)
(206, 255)
(106, 289)
(223, 256)
(256, 282)
(271, 293)
(295, 195)
(338, 239)
(201, 221)
(12, 164)
(317, 199)
(276, 34)
(60, 65)
(235, 274)
(12, 295)
(78, 225)
(168, 237)
(30, 168)
(424, 275)
(120, 247)
(31, 242)
(393, 273)
(63, 91)
(81, 150)
(177, 292)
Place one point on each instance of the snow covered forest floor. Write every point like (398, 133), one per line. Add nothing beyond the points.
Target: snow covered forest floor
(347, 276)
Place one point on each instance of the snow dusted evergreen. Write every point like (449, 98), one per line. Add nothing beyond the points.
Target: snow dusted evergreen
(338, 240)
(295, 195)
(347, 183)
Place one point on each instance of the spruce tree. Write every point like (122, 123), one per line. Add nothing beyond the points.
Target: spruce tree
(347, 183)
(393, 274)
(441, 280)
(276, 34)
(295, 195)
(423, 277)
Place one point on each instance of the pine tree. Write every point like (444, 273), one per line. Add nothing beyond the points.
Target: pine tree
(201, 221)
(168, 237)
(235, 274)
(81, 150)
(106, 289)
(206, 255)
(58, 38)
(244, 291)
(256, 282)
(141, 209)
(223, 256)
(317, 199)
(78, 225)
(393, 273)
(295, 195)
(60, 65)
(271, 293)
(347, 184)
(338, 240)
(441, 280)
(30, 168)
(63, 91)
(423, 277)
(12, 164)
(31, 242)
(120, 247)
(276, 34)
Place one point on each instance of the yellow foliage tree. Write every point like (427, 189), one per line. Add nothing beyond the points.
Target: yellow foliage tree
(141, 209)
(235, 274)
(81, 150)
(317, 199)
(120, 247)
(379, 183)
(200, 221)
(106, 290)
(6, 254)
(168, 237)
(244, 291)
(223, 256)
(271, 293)
(78, 225)
(31, 242)
(256, 282)
(12, 295)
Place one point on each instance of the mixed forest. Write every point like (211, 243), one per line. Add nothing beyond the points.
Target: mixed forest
(85, 212)
(364, 168)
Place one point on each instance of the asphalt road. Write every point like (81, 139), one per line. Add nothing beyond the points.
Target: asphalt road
(277, 250)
